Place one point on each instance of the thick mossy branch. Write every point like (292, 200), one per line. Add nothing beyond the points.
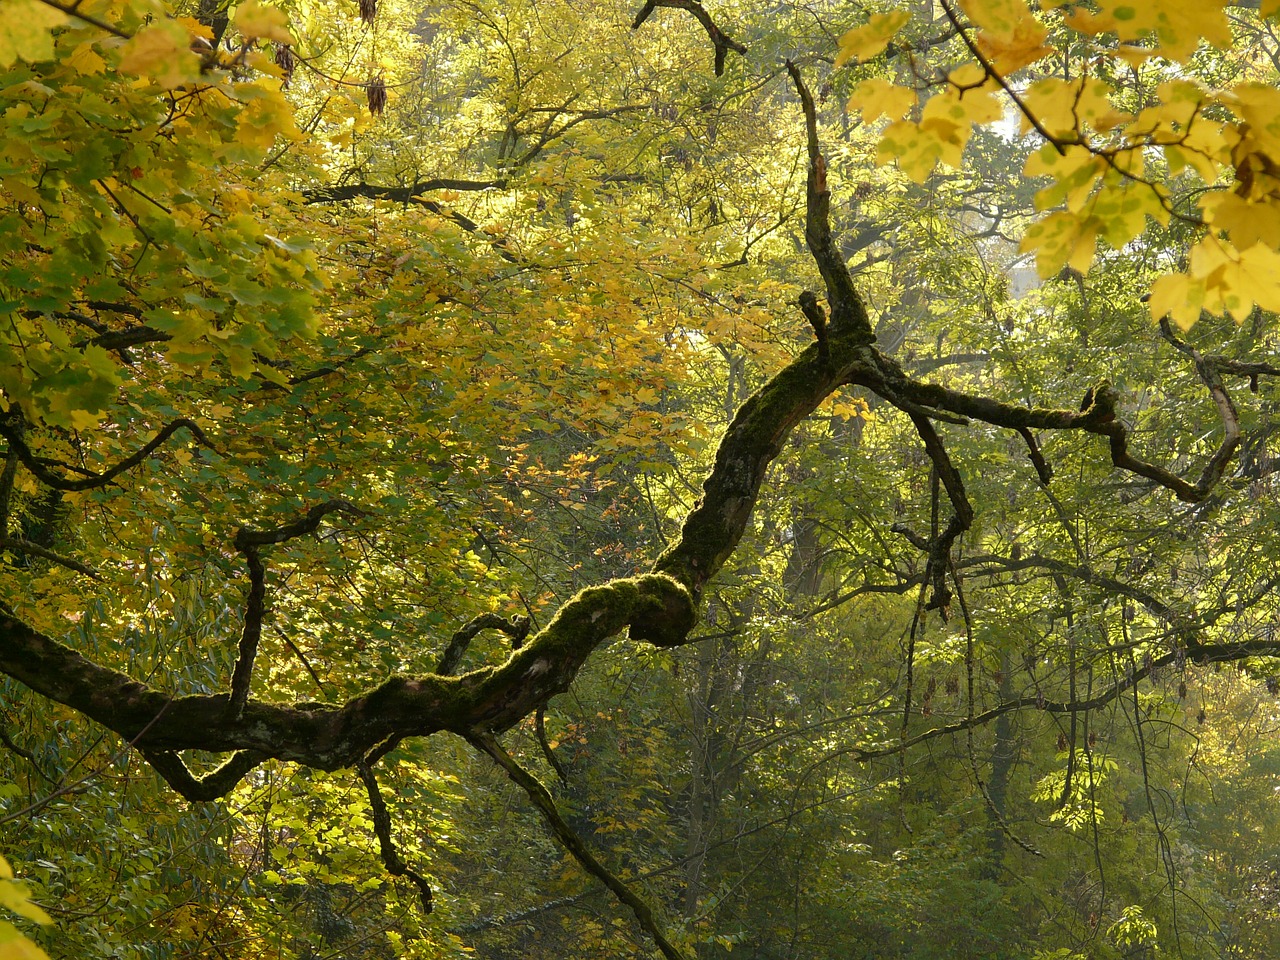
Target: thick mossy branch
(754, 438)
(654, 606)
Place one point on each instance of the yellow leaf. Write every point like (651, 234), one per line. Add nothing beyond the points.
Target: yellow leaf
(14, 946)
(255, 19)
(85, 60)
(24, 31)
(879, 98)
(1133, 56)
(1075, 172)
(869, 40)
(1178, 297)
(1177, 28)
(1010, 35)
(162, 51)
(1062, 239)
(1245, 222)
(917, 152)
(1252, 277)
(1258, 105)
(1269, 8)
(1065, 107)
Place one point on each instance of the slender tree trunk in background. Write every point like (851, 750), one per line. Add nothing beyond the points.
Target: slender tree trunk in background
(1003, 754)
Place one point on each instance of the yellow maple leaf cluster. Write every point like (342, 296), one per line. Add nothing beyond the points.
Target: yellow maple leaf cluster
(1095, 152)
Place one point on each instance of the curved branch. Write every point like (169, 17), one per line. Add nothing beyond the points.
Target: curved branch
(12, 433)
(722, 42)
(249, 542)
(386, 846)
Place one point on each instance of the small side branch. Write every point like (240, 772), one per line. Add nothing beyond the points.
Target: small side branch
(1209, 376)
(386, 847)
(817, 318)
(1043, 470)
(542, 799)
(848, 313)
(249, 542)
(517, 628)
(13, 433)
(962, 511)
(217, 783)
(18, 545)
(722, 42)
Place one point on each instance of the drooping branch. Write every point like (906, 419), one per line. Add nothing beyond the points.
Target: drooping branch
(386, 846)
(1209, 376)
(217, 783)
(569, 839)
(12, 432)
(722, 42)
(1195, 651)
(961, 516)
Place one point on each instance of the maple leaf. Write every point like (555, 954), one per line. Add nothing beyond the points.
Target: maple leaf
(869, 40)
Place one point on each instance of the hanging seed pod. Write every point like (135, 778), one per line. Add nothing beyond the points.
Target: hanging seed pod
(1182, 690)
(368, 10)
(285, 61)
(1093, 740)
(1200, 716)
(953, 684)
(376, 91)
(1062, 742)
(1273, 685)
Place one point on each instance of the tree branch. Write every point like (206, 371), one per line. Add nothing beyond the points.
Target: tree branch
(722, 42)
(568, 837)
(12, 432)
(386, 847)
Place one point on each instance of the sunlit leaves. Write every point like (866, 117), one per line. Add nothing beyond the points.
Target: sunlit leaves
(1097, 143)
(255, 19)
(163, 52)
(1010, 36)
(877, 97)
(25, 31)
(15, 898)
(863, 43)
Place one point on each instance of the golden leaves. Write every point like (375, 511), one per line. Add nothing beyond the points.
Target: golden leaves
(1096, 151)
(162, 52)
(25, 31)
(1010, 36)
(878, 97)
(869, 40)
(256, 20)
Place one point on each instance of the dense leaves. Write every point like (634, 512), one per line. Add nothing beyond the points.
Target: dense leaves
(547, 479)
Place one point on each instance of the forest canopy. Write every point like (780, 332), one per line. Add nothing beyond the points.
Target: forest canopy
(594, 480)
